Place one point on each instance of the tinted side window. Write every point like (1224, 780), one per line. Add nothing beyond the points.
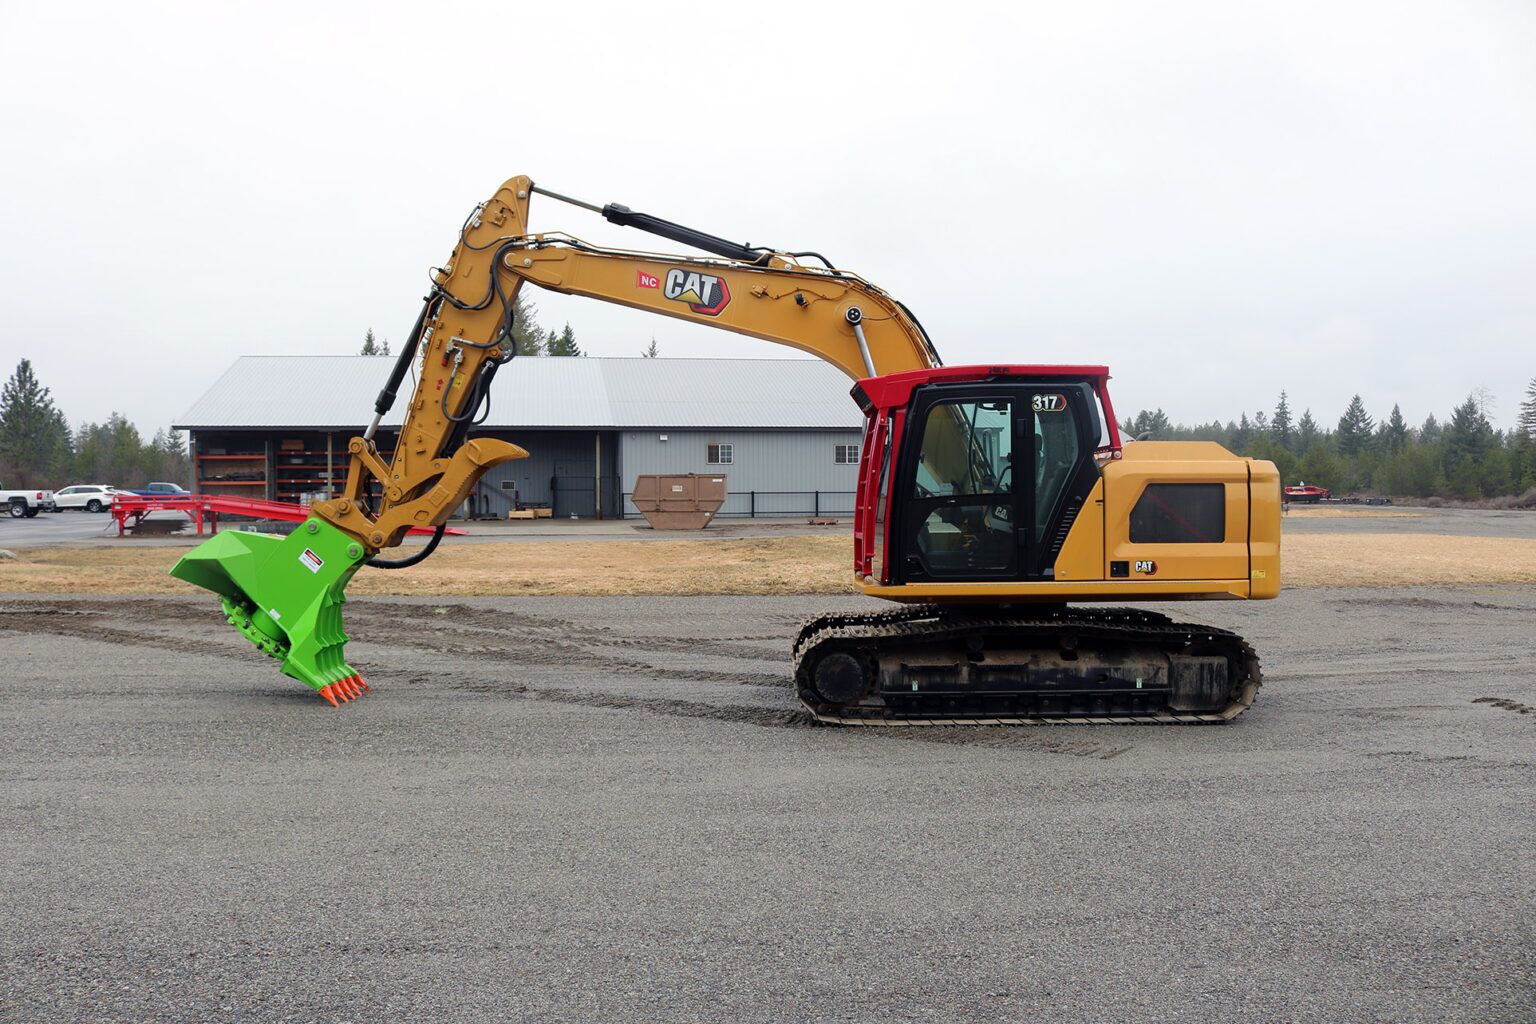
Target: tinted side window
(1056, 453)
(1180, 514)
(967, 450)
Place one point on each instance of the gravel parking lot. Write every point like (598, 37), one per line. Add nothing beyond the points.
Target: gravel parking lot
(610, 809)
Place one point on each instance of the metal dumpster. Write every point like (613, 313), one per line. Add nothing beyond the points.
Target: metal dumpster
(681, 502)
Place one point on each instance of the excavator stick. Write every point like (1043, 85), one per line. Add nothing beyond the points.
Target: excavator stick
(284, 594)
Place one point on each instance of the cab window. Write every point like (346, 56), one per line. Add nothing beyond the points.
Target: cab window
(1056, 438)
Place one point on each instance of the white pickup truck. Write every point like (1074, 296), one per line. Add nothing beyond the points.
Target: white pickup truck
(26, 503)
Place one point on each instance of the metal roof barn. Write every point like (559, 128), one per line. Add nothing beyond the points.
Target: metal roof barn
(555, 392)
(784, 431)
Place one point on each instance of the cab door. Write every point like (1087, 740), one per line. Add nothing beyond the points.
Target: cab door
(958, 505)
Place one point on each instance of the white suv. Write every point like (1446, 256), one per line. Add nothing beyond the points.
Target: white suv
(89, 497)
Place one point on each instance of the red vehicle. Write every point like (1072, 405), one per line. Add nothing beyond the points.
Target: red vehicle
(1307, 494)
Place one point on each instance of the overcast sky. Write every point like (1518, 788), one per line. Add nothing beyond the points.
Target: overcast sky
(1218, 200)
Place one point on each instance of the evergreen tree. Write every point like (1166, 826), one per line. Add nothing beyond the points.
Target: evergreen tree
(1394, 433)
(1430, 432)
(1307, 432)
(564, 343)
(525, 328)
(167, 457)
(1527, 421)
(1280, 426)
(370, 347)
(113, 453)
(1469, 432)
(651, 351)
(1261, 423)
(1320, 466)
(1155, 424)
(1355, 428)
(34, 436)
(384, 350)
(1469, 438)
(1242, 436)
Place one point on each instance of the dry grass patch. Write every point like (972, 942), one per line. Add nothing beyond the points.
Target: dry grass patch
(1312, 512)
(1403, 560)
(783, 565)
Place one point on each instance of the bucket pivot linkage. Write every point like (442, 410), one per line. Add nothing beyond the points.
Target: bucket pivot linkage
(284, 594)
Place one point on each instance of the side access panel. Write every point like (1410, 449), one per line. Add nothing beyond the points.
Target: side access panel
(1170, 516)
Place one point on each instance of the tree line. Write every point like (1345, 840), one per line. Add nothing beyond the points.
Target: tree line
(531, 339)
(38, 448)
(1463, 458)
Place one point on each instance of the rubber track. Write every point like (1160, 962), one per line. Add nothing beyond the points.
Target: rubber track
(1121, 625)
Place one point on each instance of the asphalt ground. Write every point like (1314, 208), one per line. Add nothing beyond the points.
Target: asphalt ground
(610, 809)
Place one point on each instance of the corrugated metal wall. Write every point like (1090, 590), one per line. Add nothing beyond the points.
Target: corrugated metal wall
(774, 472)
(791, 471)
(557, 471)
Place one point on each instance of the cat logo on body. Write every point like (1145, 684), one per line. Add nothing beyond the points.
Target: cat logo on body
(704, 293)
(1146, 567)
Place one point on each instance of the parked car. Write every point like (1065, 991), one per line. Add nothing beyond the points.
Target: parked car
(1307, 494)
(26, 503)
(87, 497)
(160, 487)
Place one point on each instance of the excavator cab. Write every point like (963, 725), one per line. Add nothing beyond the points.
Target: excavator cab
(991, 476)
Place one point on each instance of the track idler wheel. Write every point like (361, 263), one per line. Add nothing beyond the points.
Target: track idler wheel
(843, 678)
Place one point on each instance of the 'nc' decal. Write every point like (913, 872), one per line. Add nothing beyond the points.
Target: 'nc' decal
(704, 293)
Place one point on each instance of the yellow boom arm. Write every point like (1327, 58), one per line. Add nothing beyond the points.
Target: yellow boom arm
(465, 334)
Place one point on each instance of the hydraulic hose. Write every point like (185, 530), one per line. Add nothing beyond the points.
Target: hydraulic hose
(416, 559)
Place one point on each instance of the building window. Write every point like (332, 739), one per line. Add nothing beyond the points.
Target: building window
(721, 454)
(845, 454)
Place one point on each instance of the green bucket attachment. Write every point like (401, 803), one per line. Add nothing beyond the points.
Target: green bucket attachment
(284, 594)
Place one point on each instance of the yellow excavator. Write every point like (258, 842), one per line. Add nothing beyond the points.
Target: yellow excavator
(993, 501)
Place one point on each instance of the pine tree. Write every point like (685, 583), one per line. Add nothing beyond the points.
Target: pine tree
(1320, 466)
(1154, 424)
(1430, 432)
(1242, 437)
(1355, 428)
(1394, 431)
(525, 328)
(166, 457)
(384, 350)
(370, 347)
(1469, 434)
(1280, 426)
(1527, 421)
(1307, 432)
(1261, 423)
(34, 435)
(651, 351)
(564, 343)
(1469, 438)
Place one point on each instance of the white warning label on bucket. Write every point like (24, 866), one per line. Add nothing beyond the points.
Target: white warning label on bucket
(311, 561)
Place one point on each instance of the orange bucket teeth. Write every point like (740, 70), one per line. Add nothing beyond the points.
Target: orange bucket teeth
(344, 690)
